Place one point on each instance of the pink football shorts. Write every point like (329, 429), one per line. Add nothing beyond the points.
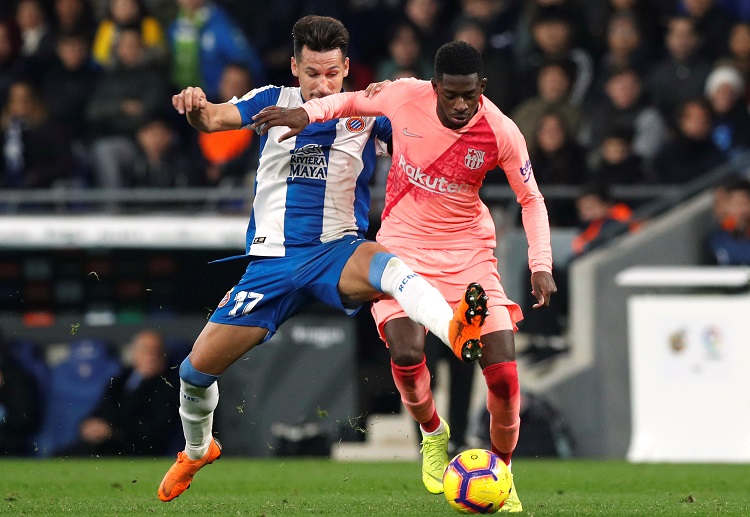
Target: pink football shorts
(450, 271)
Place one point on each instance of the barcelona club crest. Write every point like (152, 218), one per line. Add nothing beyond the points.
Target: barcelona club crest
(474, 159)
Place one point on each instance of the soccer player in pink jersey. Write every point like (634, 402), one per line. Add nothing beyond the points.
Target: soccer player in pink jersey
(446, 137)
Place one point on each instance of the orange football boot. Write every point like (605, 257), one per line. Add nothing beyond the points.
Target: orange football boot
(465, 328)
(179, 475)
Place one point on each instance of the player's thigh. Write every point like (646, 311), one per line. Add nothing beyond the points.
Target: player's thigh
(405, 340)
(220, 345)
(354, 284)
(499, 347)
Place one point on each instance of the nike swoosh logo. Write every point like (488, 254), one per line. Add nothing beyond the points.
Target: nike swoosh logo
(407, 133)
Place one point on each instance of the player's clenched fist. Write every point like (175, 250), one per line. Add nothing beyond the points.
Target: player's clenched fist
(189, 99)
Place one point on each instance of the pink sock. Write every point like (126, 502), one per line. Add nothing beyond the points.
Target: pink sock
(413, 383)
(504, 405)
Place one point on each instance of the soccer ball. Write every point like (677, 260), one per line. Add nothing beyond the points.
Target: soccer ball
(476, 481)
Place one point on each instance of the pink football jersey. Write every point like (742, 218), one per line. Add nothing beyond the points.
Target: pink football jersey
(432, 194)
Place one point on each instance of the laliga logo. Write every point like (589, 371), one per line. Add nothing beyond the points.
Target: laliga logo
(427, 182)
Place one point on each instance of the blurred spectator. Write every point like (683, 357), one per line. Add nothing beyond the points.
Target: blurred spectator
(625, 106)
(203, 40)
(20, 408)
(553, 37)
(739, 53)
(227, 153)
(37, 39)
(138, 414)
(682, 74)
(725, 90)
(691, 152)
(616, 163)
(572, 10)
(157, 159)
(558, 160)
(711, 23)
(728, 243)
(11, 64)
(553, 87)
(499, 20)
(647, 15)
(36, 152)
(425, 17)
(601, 218)
(74, 16)
(625, 47)
(404, 52)
(69, 82)
(130, 14)
(127, 95)
(498, 65)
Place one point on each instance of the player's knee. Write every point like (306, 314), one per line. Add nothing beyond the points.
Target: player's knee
(502, 379)
(190, 375)
(407, 357)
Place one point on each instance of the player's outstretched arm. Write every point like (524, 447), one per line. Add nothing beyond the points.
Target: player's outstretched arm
(203, 115)
(273, 116)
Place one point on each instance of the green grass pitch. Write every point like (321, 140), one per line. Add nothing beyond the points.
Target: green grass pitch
(297, 487)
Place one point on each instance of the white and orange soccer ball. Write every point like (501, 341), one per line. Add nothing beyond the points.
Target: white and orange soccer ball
(477, 481)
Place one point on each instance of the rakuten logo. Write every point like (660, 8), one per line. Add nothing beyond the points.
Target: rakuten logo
(427, 182)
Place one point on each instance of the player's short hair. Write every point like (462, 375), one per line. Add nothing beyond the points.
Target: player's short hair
(457, 58)
(319, 34)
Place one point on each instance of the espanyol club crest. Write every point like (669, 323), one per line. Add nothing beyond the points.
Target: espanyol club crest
(474, 159)
(355, 124)
(226, 298)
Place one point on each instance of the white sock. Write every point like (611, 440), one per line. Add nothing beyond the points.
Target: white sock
(197, 407)
(421, 301)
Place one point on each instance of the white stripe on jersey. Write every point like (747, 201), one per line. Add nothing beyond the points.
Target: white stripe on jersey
(269, 205)
(345, 156)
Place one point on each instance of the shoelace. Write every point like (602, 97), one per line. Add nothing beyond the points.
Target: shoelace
(431, 445)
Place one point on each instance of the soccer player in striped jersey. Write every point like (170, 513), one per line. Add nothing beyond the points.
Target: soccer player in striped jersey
(304, 239)
(446, 137)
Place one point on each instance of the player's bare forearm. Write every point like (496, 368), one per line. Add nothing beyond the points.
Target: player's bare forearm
(274, 116)
(203, 115)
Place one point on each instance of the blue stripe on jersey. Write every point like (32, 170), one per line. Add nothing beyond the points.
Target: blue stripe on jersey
(307, 182)
(362, 188)
(250, 104)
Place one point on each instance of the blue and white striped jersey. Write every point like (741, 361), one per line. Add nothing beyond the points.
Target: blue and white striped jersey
(312, 188)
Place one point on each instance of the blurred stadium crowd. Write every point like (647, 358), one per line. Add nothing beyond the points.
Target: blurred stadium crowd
(627, 92)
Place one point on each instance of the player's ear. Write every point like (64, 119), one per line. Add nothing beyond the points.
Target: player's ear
(483, 85)
(434, 85)
(346, 67)
(295, 70)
